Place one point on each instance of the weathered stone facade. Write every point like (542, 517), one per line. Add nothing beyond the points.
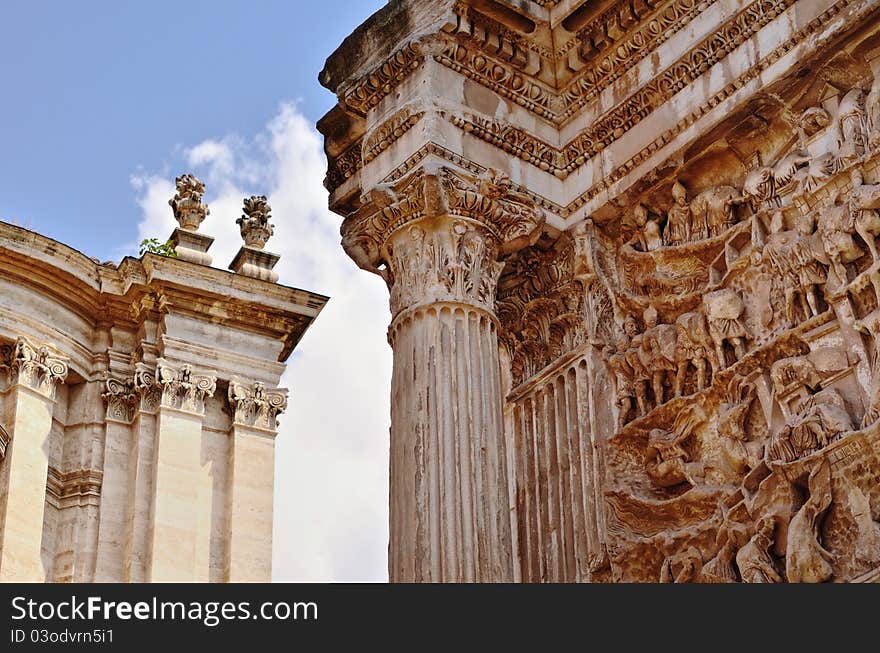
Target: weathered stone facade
(139, 405)
(631, 253)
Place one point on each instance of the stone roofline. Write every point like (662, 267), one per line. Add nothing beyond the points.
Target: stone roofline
(119, 294)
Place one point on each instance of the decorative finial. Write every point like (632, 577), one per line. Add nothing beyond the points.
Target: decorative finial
(255, 226)
(189, 209)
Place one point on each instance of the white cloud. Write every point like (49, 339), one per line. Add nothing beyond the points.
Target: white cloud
(331, 500)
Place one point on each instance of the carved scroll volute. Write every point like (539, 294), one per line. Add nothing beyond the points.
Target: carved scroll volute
(34, 366)
(254, 405)
(121, 397)
(149, 392)
(437, 234)
(183, 389)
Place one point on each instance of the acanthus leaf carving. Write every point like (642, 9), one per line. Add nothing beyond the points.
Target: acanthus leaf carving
(437, 234)
(183, 389)
(34, 366)
(121, 397)
(254, 405)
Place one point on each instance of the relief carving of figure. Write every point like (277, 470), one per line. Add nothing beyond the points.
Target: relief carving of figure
(683, 567)
(624, 381)
(836, 230)
(693, 347)
(716, 208)
(647, 237)
(679, 220)
(852, 122)
(641, 376)
(721, 569)
(724, 309)
(658, 352)
(806, 560)
(792, 255)
(759, 189)
(754, 561)
(821, 419)
(864, 202)
(872, 113)
(667, 462)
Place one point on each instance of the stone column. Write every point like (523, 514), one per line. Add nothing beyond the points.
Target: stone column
(113, 526)
(176, 472)
(436, 236)
(34, 373)
(251, 479)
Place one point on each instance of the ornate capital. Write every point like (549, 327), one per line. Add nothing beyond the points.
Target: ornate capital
(437, 234)
(183, 389)
(34, 367)
(147, 389)
(189, 209)
(122, 399)
(253, 405)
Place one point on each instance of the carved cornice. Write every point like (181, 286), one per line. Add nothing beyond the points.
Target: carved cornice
(551, 159)
(613, 124)
(182, 389)
(500, 77)
(384, 136)
(75, 486)
(369, 90)
(255, 406)
(122, 399)
(665, 137)
(609, 63)
(34, 366)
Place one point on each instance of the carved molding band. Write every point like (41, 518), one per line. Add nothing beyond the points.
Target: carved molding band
(370, 90)
(254, 405)
(78, 486)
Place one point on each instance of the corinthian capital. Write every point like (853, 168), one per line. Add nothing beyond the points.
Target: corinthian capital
(253, 405)
(437, 234)
(34, 366)
(183, 389)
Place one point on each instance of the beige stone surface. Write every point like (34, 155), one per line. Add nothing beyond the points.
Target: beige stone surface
(655, 223)
(116, 416)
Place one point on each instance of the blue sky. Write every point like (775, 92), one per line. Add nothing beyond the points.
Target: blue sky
(105, 103)
(94, 91)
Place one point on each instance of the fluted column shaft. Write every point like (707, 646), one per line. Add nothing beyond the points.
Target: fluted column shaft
(450, 519)
(34, 373)
(436, 236)
(449, 507)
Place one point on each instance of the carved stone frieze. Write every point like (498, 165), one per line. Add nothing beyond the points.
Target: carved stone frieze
(370, 90)
(695, 360)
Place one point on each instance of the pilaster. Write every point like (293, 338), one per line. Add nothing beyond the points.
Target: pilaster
(34, 373)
